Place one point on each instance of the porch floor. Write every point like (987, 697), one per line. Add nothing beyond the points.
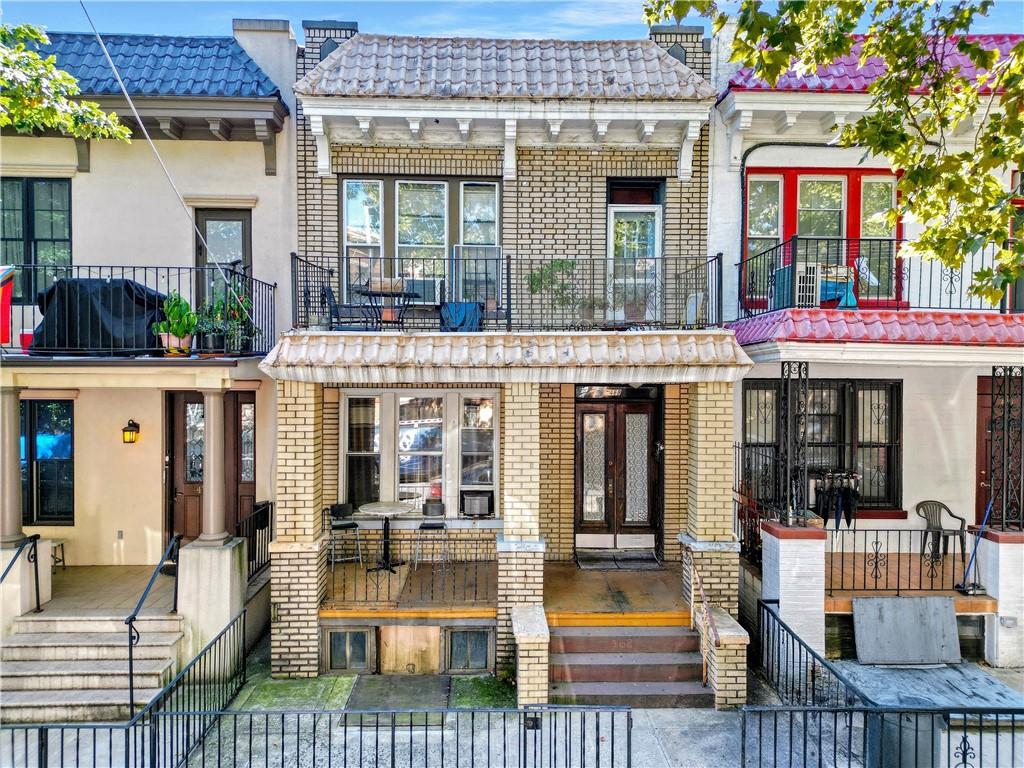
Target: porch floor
(107, 590)
(575, 596)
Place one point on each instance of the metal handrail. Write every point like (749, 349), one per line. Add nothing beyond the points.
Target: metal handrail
(133, 634)
(32, 543)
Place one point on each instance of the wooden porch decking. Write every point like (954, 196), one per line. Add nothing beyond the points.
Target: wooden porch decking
(107, 590)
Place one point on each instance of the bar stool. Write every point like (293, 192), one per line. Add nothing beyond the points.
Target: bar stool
(340, 516)
(433, 528)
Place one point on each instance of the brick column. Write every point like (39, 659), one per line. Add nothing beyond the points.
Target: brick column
(793, 572)
(298, 569)
(530, 627)
(709, 474)
(520, 547)
(1000, 565)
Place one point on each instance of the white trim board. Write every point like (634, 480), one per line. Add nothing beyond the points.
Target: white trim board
(884, 354)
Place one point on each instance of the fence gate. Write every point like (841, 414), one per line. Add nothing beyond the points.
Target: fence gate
(792, 465)
(1006, 460)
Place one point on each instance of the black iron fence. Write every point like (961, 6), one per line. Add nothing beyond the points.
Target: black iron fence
(110, 310)
(847, 273)
(415, 568)
(258, 531)
(164, 733)
(755, 495)
(799, 674)
(356, 291)
(896, 560)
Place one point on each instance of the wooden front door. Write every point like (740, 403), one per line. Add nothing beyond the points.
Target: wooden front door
(983, 452)
(616, 475)
(186, 436)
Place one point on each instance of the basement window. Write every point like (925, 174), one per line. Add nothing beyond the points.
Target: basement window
(469, 650)
(349, 650)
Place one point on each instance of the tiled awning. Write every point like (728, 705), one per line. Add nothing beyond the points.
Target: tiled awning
(633, 357)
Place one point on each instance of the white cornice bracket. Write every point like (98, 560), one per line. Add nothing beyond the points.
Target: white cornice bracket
(366, 127)
(833, 121)
(690, 135)
(554, 128)
(785, 120)
(736, 127)
(414, 127)
(465, 125)
(508, 170)
(171, 127)
(646, 130)
(600, 129)
(220, 128)
(323, 145)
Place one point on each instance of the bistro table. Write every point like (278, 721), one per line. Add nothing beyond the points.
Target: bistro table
(388, 305)
(387, 510)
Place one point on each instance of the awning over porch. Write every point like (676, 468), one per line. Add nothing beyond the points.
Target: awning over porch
(636, 357)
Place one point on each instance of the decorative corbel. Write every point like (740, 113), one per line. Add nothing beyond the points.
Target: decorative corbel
(171, 127)
(554, 128)
(785, 120)
(366, 127)
(832, 121)
(508, 169)
(646, 130)
(323, 145)
(600, 130)
(414, 127)
(735, 128)
(465, 125)
(690, 135)
(220, 128)
(268, 137)
(83, 153)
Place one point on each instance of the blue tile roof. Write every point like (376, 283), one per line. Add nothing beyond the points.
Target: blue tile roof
(159, 65)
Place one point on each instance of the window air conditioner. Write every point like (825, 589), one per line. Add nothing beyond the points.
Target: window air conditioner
(808, 286)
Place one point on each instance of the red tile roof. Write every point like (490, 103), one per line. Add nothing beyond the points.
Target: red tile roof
(990, 329)
(847, 75)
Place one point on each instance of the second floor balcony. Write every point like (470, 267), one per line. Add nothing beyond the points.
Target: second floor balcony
(481, 288)
(862, 273)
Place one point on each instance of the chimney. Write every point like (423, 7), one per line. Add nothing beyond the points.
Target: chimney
(722, 69)
(685, 43)
(271, 44)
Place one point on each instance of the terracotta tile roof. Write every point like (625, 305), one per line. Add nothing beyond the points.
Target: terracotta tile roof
(883, 327)
(432, 67)
(161, 65)
(615, 358)
(846, 74)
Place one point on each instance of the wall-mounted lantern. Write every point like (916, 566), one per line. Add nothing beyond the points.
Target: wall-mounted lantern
(130, 433)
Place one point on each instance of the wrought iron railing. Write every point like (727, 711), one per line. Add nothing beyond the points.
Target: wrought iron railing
(426, 568)
(896, 560)
(799, 674)
(110, 310)
(881, 737)
(170, 556)
(755, 496)
(556, 293)
(258, 531)
(30, 546)
(165, 733)
(847, 273)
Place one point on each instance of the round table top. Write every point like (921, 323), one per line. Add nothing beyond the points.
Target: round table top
(387, 508)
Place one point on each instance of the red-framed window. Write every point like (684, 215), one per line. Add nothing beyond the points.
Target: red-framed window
(838, 216)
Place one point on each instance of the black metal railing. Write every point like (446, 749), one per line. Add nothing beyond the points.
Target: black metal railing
(170, 556)
(110, 310)
(553, 293)
(848, 273)
(30, 546)
(799, 674)
(258, 531)
(755, 496)
(427, 569)
(896, 560)
(881, 737)
(164, 733)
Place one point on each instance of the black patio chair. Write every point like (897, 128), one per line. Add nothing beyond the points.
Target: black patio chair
(935, 531)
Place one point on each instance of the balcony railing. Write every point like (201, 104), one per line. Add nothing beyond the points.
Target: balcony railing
(556, 293)
(835, 273)
(110, 310)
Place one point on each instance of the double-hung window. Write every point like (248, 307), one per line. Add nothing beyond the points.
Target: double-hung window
(820, 214)
(764, 232)
(418, 445)
(362, 233)
(421, 236)
(35, 230)
(876, 252)
(47, 462)
(477, 258)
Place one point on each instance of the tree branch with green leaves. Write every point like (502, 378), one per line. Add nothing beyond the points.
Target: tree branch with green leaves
(36, 96)
(954, 136)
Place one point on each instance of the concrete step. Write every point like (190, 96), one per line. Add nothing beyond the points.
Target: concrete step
(623, 640)
(82, 675)
(99, 705)
(638, 695)
(625, 667)
(41, 622)
(70, 646)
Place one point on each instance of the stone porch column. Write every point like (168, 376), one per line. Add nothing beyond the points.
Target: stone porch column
(298, 565)
(214, 499)
(709, 533)
(10, 461)
(520, 546)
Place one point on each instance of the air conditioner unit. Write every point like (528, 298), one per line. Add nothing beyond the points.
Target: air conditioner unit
(808, 286)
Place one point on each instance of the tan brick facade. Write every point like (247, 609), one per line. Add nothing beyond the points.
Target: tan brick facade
(726, 659)
(558, 460)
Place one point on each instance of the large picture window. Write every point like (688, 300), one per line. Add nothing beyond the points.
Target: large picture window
(35, 229)
(852, 426)
(47, 462)
(414, 446)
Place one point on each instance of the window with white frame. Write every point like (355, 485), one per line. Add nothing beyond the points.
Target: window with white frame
(419, 445)
(820, 206)
(764, 213)
(421, 236)
(875, 259)
(362, 232)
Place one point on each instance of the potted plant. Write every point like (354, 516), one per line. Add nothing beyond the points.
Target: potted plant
(211, 328)
(239, 329)
(591, 305)
(555, 279)
(175, 331)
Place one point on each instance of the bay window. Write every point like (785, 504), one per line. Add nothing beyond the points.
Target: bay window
(414, 446)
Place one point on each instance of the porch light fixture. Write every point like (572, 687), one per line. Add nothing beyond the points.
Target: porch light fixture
(130, 433)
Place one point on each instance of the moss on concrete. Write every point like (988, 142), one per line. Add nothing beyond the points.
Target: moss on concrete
(484, 692)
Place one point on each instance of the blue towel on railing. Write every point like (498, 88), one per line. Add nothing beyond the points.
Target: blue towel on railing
(461, 316)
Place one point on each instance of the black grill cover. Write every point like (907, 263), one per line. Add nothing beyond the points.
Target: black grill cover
(91, 315)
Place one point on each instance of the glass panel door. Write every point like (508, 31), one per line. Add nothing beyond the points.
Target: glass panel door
(638, 481)
(593, 441)
(634, 250)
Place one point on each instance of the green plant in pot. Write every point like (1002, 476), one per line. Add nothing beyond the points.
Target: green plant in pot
(239, 329)
(555, 279)
(212, 327)
(177, 328)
